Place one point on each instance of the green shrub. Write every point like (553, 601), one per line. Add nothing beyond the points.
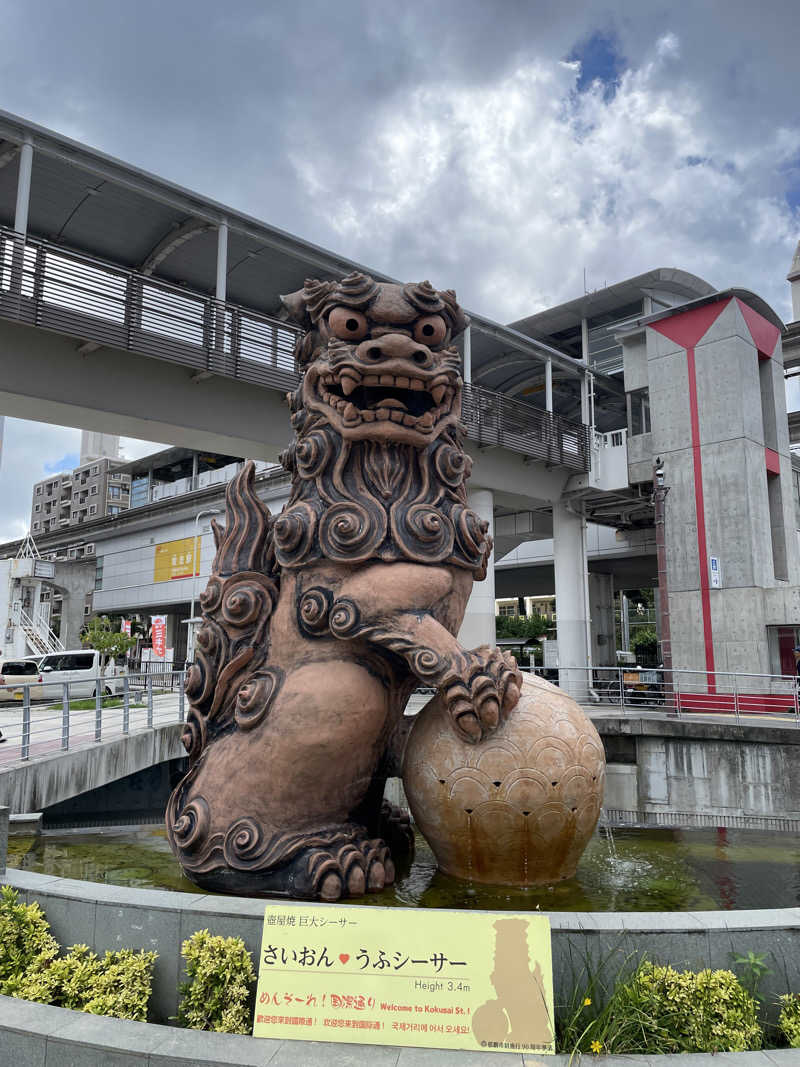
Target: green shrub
(118, 983)
(661, 1010)
(789, 1019)
(25, 939)
(220, 978)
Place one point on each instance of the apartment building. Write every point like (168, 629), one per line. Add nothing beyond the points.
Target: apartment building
(95, 490)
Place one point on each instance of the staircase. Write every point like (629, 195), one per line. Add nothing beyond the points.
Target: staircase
(41, 639)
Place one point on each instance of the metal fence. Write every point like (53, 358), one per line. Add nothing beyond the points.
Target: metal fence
(43, 284)
(46, 285)
(494, 419)
(681, 693)
(43, 718)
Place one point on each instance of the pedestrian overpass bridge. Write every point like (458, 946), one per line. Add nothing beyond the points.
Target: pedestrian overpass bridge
(132, 306)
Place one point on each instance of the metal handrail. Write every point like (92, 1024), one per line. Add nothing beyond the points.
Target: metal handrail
(46, 285)
(51, 723)
(680, 692)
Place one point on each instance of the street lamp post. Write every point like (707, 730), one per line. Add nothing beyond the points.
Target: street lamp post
(195, 573)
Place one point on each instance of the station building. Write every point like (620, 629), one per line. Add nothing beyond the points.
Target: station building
(652, 410)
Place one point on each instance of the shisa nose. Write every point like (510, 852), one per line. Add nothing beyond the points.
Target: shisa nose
(394, 346)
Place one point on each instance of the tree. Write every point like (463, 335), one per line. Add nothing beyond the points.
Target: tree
(526, 628)
(644, 642)
(98, 633)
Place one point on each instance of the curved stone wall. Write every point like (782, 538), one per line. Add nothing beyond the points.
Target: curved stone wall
(112, 917)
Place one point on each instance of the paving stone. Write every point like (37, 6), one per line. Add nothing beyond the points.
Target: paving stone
(23, 1050)
(441, 1057)
(192, 1048)
(130, 927)
(71, 920)
(60, 1053)
(308, 1053)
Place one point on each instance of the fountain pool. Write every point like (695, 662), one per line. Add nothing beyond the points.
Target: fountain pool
(635, 870)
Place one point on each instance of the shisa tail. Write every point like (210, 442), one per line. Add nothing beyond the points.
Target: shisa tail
(229, 682)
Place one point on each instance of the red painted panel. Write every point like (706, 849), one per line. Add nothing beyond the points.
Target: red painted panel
(765, 335)
(773, 461)
(688, 327)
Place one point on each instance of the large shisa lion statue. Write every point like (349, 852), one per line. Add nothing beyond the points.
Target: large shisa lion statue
(319, 624)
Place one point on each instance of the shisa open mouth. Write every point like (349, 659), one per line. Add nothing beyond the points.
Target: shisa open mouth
(360, 398)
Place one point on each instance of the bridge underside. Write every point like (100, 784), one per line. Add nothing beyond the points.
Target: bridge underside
(38, 784)
(47, 378)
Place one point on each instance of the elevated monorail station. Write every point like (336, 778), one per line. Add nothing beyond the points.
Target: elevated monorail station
(129, 305)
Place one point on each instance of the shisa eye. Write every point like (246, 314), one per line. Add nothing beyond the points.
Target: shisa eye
(430, 330)
(348, 325)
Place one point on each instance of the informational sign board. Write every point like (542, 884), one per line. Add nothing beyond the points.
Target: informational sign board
(175, 559)
(716, 573)
(159, 635)
(550, 653)
(477, 981)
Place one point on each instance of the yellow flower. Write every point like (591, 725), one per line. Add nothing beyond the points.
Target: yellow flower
(596, 1046)
(587, 1002)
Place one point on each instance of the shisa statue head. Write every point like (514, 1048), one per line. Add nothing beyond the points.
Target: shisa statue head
(378, 359)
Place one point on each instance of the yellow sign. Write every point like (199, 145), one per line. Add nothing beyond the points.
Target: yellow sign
(173, 559)
(437, 979)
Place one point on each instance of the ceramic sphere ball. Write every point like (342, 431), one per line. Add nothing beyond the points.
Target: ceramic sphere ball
(517, 808)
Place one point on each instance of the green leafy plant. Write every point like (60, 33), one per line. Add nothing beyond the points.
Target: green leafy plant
(25, 938)
(661, 1010)
(219, 982)
(99, 633)
(755, 970)
(789, 1018)
(524, 627)
(117, 983)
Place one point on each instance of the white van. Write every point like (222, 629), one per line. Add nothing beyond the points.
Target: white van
(82, 669)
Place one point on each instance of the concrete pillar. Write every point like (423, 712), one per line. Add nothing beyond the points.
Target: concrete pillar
(569, 565)
(601, 604)
(478, 627)
(23, 187)
(222, 260)
(3, 840)
(468, 354)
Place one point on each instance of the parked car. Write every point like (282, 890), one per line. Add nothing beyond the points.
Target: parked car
(20, 672)
(81, 668)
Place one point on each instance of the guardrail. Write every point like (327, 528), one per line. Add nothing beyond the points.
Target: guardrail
(59, 716)
(681, 692)
(43, 284)
(494, 419)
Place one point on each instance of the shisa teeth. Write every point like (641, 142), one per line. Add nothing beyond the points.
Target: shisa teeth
(438, 393)
(349, 378)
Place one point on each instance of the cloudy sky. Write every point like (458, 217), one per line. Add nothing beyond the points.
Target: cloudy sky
(502, 148)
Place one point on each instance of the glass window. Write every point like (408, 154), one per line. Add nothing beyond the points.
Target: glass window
(639, 412)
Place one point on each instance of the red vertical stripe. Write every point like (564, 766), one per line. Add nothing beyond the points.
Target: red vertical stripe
(702, 548)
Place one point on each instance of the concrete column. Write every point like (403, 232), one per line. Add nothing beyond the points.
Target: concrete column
(468, 354)
(569, 565)
(3, 839)
(23, 187)
(222, 260)
(601, 603)
(548, 385)
(478, 627)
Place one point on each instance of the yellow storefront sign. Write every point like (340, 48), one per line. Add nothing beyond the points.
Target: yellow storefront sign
(173, 559)
(478, 981)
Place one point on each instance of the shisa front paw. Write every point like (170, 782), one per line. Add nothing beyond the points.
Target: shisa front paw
(481, 698)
